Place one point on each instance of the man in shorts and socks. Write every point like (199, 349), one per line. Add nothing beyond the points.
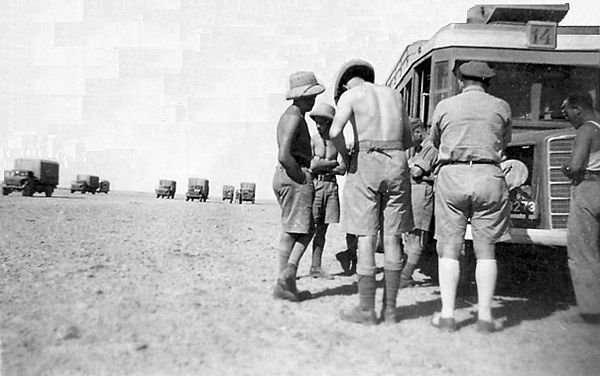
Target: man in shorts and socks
(325, 167)
(293, 182)
(377, 189)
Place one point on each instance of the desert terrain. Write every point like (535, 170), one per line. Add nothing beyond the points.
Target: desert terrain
(127, 284)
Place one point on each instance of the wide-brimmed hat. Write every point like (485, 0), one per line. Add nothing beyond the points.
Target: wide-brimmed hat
(322, 110)
(477, 69)
(303, 84)
(350, 69)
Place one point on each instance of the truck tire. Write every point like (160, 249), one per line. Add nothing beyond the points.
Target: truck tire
(72, 191)
(157, 196)
(5, 191)
(49, 191)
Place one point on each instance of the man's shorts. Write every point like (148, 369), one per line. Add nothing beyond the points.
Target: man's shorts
(422, 205)
(295, 201)
(378, 185)
(477, 192)
(326, 207)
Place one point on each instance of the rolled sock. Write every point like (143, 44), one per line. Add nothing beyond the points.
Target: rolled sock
(486, 272)
(449, 272)
(366, 292)
(392, 283)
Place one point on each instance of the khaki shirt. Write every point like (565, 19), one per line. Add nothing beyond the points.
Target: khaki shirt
(471, 126)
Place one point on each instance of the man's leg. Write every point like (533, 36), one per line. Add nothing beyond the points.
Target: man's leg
(583, 248)
(316, 269)
(449, 272)
(392, 272)
(486, 273)
(365, 312)
(348, 258)
(414, 244)
(286, 282)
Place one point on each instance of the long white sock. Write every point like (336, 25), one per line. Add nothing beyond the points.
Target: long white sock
(449, 271)
(486, 273)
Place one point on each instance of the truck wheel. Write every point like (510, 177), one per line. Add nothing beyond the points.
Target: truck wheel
(49, 191)
(5, 191)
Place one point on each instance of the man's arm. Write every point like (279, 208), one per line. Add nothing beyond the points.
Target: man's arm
(336, 132)
(407, 135)
(581, 150)
(435, 133)
(286, 132)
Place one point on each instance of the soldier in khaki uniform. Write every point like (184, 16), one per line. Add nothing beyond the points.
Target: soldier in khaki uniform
(471, 131)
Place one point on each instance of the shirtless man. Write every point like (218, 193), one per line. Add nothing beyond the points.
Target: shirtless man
(377, 183)
(324, 165)
(293, 183)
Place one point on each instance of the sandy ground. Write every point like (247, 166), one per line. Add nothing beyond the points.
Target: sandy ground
(127, 284)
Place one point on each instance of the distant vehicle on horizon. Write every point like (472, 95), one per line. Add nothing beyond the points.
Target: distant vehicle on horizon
(166, 188)
(247, 192)
(104, 186)
(85, 183)
(228, 193)
(197, 189)
(30, 176)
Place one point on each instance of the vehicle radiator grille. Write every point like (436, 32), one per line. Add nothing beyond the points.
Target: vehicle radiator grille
(559, 153)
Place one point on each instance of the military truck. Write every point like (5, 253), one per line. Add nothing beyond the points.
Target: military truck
(30, 176)
(228, 193)
(197, 189)
(166, 188)
(85, 183)
(104, 186)
(247, 192)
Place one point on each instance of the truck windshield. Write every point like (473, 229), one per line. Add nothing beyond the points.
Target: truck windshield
(536, 91)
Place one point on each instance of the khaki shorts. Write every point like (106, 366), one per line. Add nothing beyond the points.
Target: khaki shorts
(378, 185)
(477, 192)
(295, 201)
(422, 205)
(326, 207)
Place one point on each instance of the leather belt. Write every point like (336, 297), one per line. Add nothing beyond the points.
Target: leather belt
(446, 163)
(325, 177)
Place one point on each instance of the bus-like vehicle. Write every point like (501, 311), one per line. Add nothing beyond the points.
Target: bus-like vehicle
(538, 63)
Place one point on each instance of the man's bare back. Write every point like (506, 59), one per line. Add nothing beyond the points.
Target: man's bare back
(375, 112)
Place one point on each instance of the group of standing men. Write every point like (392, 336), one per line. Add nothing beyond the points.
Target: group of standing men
(470, 132)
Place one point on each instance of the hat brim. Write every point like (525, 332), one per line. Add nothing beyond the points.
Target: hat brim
(350, 69)
(305, 91)
(316, 117)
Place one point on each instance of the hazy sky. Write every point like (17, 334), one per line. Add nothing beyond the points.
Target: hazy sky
(139, 90)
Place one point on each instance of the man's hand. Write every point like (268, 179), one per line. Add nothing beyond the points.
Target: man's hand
(416, 172)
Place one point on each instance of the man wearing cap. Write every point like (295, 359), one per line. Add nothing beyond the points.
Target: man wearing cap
(421, 166)
(471, 131)
(377, 190)
(293, 182)
(324, 165)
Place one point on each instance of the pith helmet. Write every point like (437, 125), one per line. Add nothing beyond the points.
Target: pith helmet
(303, 84)
(322, 110)
(349, 70)
(478, 69)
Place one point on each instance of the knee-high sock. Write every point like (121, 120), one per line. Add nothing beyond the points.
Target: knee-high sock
(392, 283)
(486, 272)
(449, 272)
(366, 292)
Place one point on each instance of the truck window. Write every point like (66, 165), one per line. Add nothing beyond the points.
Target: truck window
(536, 91)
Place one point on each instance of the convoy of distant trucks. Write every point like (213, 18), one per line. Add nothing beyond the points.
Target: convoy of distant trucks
(166, 188)
(85, 183)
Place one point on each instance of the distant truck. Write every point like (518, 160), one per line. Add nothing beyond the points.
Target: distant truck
(104, 186)
(166, 188)
(30, 176)
(85, 183)
(197, 189)
(247, 192)
(228, 193)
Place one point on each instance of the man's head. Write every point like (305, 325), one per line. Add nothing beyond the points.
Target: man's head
(576, 107)
(475, 72)
(354, 68)
(304, 88)
(323, 115)
(418, 130)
